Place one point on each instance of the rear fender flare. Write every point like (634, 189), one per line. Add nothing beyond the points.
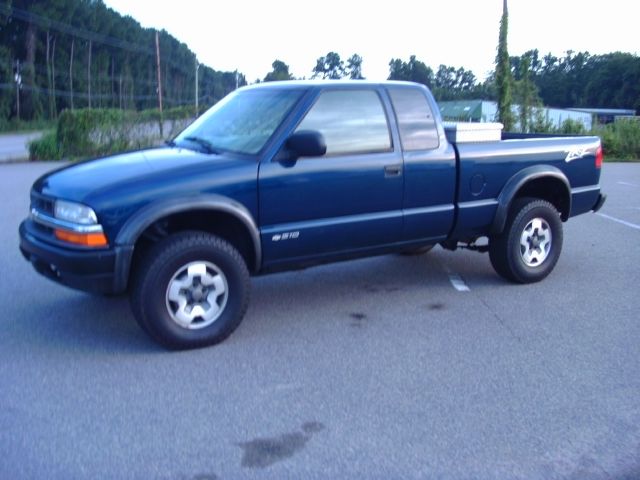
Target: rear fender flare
(519, 180)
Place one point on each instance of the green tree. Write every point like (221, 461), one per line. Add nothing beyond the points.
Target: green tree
(540, 123)
(52, 39)
(354, 67)
(445, 78)
(280, 71)
(412, 71)
(7, 100)
(583, 80)
(525, 91)
(614, 82)
(329, 67)
(448, 83)
(452, 83)
(503, 73)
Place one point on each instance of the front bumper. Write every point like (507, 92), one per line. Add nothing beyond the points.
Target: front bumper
(92, 270)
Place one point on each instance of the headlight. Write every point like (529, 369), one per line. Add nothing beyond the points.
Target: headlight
(75, 213)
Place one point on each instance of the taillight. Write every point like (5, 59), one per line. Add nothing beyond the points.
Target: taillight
(599, 157)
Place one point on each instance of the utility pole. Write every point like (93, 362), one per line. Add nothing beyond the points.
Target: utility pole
(18, 78)
(53, 78)
(89, 72)
(159, 83)
(73, 41)
(197, 68)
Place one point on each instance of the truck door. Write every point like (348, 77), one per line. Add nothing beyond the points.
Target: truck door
(429, 166)
(348, 200)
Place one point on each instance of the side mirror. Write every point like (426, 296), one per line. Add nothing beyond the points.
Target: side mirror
(306, 143)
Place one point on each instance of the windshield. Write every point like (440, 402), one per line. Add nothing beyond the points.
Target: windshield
(241, 122)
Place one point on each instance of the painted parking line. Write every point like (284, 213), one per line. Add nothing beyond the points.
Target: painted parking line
(628, 184)
(456, 280)
(458, 283)
(614, 219)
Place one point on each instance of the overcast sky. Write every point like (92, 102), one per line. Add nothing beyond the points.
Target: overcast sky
(250, 35)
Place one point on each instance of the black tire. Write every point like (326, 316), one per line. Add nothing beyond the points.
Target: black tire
(195, 258)
(417, 251)
(536, 223)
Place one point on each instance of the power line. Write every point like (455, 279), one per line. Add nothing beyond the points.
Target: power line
(46, 22)
(64, 75)
(100, 96)
(129, 81)
(62, 27)
(132, 82)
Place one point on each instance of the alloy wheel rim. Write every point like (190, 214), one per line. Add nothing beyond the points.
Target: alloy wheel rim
(535, 242)
(197, 295)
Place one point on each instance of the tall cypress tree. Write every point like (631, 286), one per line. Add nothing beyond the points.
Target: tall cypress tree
(527, 93)
(503, 73)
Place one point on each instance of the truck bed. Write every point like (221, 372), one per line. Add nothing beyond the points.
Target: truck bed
(485, 168)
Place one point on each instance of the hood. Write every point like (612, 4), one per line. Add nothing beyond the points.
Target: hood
(82, 181)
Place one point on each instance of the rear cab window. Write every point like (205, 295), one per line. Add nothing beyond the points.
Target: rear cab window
(416, 121)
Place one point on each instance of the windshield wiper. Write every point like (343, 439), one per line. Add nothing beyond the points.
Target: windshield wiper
(204, 143)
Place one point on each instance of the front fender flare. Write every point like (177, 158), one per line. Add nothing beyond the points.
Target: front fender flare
(142, 219)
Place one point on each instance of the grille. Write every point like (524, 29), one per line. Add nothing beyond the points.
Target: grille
(42, 204)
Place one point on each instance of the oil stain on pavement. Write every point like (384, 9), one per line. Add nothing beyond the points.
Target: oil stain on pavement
(357, 319)
(264, 452)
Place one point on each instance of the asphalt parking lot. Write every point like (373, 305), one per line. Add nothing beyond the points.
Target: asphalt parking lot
(427, 367)
(14, 146)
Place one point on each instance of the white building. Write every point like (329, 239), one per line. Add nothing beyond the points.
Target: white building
(487, 111)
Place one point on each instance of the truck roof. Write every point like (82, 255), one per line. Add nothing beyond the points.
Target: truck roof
(330, 83)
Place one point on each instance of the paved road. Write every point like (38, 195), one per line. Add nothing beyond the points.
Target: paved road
(15, 146)
(372, 369)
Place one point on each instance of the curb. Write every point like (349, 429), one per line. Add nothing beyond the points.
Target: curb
(10, 160)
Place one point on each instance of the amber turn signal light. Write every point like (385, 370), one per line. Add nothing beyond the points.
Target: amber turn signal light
(85, 239)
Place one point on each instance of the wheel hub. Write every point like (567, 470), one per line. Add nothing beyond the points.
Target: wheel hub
(535, 242)
(197, 295)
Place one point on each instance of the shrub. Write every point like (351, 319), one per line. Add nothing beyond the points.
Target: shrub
(45, 147)
(97, 132)
(621, 140)
(540, 123)
(570, 126)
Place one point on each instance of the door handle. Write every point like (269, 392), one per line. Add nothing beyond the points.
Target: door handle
(392, 170)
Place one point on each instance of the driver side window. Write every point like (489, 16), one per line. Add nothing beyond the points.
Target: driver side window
(351, 121)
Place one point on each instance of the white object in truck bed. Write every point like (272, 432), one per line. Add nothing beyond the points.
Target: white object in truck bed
(473, 132)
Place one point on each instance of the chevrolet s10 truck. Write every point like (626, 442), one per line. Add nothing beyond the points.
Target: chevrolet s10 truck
(286, 175)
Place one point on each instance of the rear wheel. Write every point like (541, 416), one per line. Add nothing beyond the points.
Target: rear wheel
(530, 245)
(191, 290)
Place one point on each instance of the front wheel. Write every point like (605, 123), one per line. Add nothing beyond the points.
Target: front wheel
(530, 245)
(190, 290)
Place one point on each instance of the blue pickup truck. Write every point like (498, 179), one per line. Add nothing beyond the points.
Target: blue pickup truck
(292, 174)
